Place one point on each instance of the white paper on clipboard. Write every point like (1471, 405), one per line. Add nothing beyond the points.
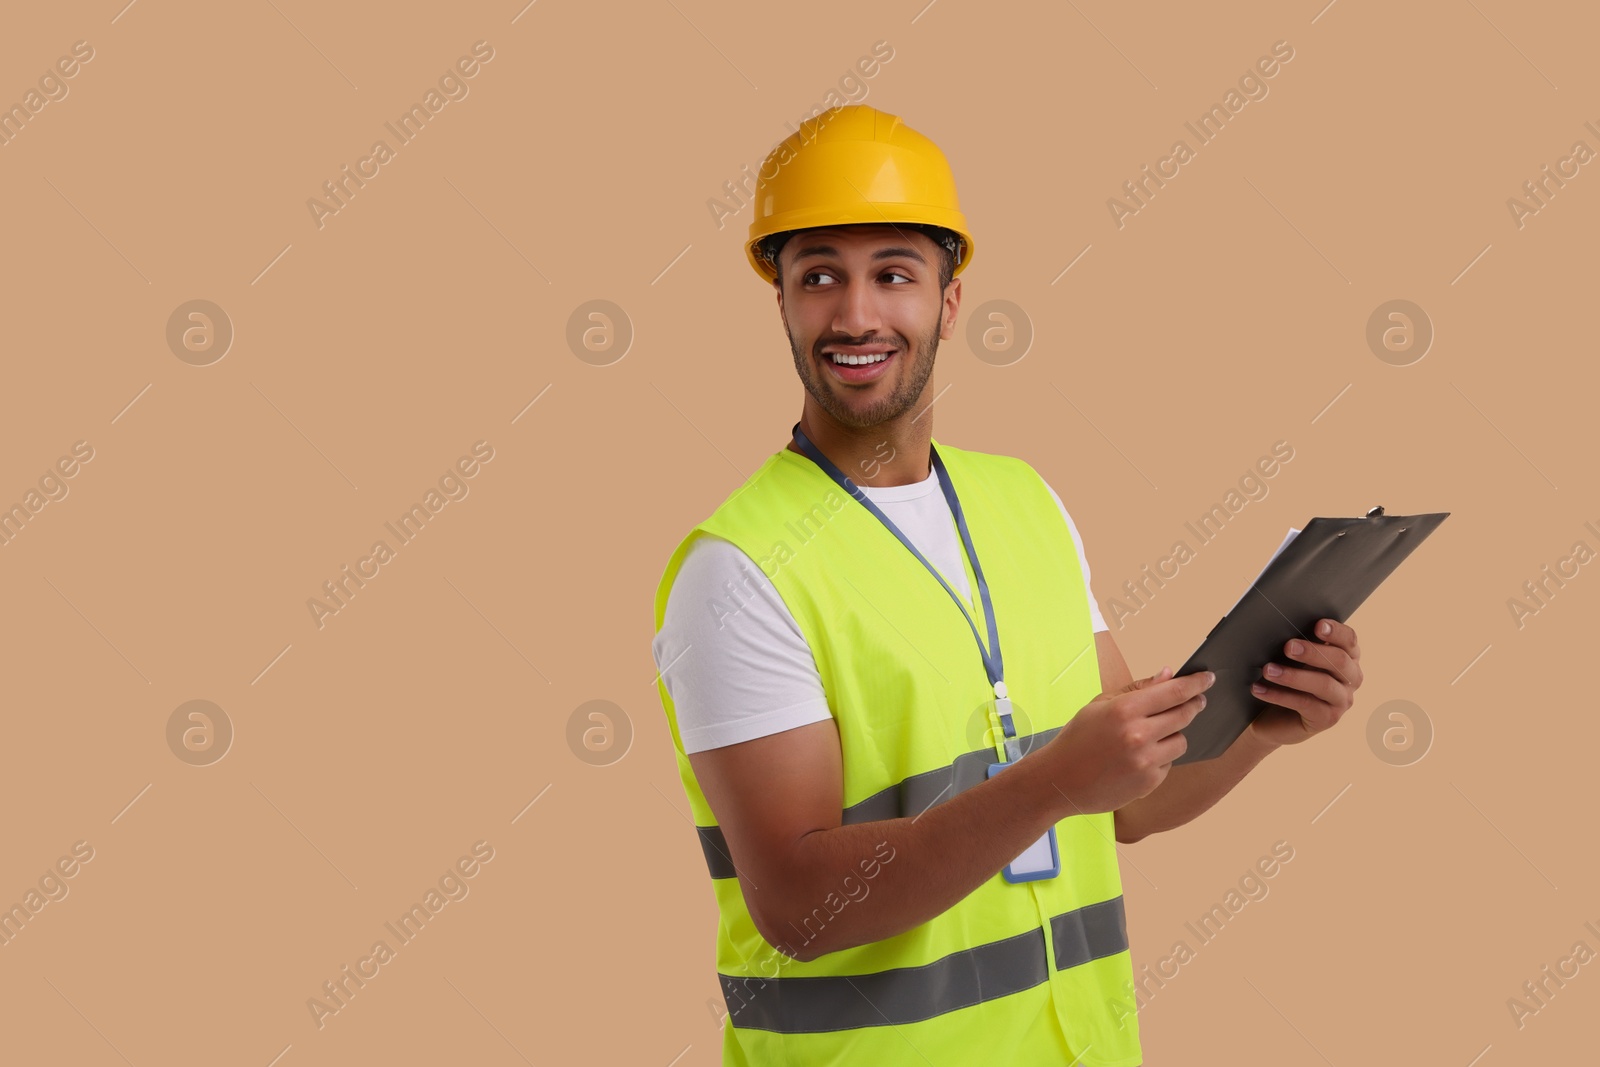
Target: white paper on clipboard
(1290, 536)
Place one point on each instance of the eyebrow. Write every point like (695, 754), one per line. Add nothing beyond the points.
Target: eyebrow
(892, 252)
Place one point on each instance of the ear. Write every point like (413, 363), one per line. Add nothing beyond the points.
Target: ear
(952, 305)
(783, 313)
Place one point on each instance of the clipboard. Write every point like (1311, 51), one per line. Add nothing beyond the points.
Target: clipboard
(1325, 571)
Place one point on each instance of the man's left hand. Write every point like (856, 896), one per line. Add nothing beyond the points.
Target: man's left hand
(1313, 696)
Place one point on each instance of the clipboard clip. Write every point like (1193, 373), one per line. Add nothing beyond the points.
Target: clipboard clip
(1375, 512)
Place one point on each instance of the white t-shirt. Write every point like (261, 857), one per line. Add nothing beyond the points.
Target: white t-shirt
(731, 654)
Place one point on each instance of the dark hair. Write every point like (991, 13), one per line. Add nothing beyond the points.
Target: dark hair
(947, 240)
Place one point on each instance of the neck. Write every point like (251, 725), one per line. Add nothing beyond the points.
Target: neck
(896, 452)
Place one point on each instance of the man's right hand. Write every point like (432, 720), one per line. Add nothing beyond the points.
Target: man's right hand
(1121, 745)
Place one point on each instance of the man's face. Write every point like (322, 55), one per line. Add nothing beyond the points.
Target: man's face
(864, 290)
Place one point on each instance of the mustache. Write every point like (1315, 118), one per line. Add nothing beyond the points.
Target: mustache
(893, 342)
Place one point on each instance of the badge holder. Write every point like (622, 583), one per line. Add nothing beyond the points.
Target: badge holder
(1039, 860)
(1042, 859)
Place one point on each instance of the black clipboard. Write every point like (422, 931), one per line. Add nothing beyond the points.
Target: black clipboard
(1325, 572)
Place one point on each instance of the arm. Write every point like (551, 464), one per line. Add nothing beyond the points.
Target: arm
(778, 801)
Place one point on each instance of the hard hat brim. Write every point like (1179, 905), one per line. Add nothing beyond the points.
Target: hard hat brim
(871, 214)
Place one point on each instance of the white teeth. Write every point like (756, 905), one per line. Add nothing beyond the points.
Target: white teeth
(850, 360)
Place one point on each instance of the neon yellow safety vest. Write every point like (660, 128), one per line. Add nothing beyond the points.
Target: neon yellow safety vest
(1020, 974)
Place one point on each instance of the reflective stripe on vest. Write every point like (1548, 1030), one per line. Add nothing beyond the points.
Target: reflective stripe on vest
(911, 994)
(908, 799)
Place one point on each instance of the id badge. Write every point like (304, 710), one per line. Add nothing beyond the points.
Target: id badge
(1039, 860)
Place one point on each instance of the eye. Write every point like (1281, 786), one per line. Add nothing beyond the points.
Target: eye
(806, 278)
(897, 274)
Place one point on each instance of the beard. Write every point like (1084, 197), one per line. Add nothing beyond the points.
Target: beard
(910, 380)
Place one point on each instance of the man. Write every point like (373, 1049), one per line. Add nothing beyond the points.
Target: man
(869, 629)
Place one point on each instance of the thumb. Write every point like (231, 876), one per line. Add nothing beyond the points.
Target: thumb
(1141, 683)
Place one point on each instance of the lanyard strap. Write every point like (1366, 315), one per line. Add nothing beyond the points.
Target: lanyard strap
(993, 663)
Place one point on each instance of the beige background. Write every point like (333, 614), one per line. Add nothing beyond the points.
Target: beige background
(430, 312)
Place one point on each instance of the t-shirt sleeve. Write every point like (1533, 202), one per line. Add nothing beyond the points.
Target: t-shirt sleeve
(1083, 561)
(731, 654)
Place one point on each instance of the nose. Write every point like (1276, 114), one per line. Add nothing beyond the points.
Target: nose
(858, 314)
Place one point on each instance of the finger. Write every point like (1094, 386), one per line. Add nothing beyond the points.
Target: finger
(1335, 632)
(1172, 744)
(1132, 687)
(1144, 683)
(1164, 725)
(1316, 683)
(1137, 684)
(1162, 696)
(1170, 749)
(1331, 658)
(1317, 714)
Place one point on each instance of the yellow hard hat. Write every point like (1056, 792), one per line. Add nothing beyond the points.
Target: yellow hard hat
(854, 164)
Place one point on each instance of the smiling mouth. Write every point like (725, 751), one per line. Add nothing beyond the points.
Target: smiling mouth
(857, 358)
(856, 364)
